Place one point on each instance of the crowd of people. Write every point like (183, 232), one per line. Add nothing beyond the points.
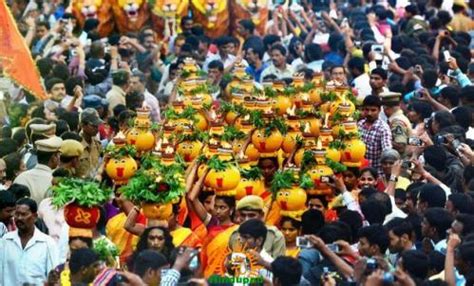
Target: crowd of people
(405, 217)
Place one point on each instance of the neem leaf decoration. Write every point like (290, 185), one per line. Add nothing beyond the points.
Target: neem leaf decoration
(81, 192)
(306, 182)
(162, 185)
(282, 180)
(254, 173)
(170, 114)
(337, 144)
(107, 251)
(257, 119)
(289, 90)
(307, 87)
(328, 96)
(215, 164)
(276, 124)
(115, 151)
(335, 166)
(231, 133)
(308, 160)
(270, 92)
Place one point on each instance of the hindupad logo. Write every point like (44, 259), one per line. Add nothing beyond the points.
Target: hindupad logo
(218, 280)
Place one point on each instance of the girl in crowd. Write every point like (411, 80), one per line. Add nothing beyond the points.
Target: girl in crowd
(291, 229)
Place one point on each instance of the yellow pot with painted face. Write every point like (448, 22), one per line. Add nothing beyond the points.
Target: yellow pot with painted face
(249, 187)
(354, 152)
(267, 144)
(280, 104)
(292, 202)
(189, 150)
(251, 153)
(320, 175)
(225, 180)
(143, 139)
(121, 169)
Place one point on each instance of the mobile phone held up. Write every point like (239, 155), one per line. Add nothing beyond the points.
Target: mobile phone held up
(303, 242)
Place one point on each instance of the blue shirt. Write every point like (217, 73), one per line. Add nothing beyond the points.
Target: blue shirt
(256, 73)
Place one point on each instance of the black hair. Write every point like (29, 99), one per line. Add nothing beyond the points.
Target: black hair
(120, 77)
(148, 259)
(50, 83)
(372, 100)
(45, 66)
(288, 270)
(19, 136)
(357, 63)
(19, 191)
(61, 127)
(374, 211)
(228, 200)
(403, 228)
(269, 40)
(254, 228)
(223, 40)
(440, 219)
(82, 258)
(451, 94)
(376, 234)
(429, 78)
(71, 135)
(467, 221)
(313, 52)
(334, 231)
(422, 108)
(384, 198)
(61, 71)
(86, 240)
(32, 205)
(380, 72)
(463, 116)
(13, 162)
(294, 222)
(436, 259)
(462, 202)
(412, 9)
(322, 198)
(433, 195)
(72, 119)
(311, 221)
(7, 199)
(248, 25)
(416, 263)
(436, 157)
(353, 220)
(44, 157)
(367, 192)
(134, 100)
(279, 48)
(216, 64)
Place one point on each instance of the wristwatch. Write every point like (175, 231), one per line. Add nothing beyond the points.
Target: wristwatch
(393, 178)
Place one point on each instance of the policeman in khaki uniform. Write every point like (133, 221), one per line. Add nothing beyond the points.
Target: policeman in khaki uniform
(251, 207)
(39, 179)
(89, 160)
(71, 150)
(38, 132)
(398, 122)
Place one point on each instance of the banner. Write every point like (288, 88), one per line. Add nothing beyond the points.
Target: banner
(15, 57)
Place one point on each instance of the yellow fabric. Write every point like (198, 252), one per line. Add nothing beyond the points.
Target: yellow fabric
(65, 277)
(273, 212)
(124, 240)
(402, 183)
(293, 252)
(215, 252)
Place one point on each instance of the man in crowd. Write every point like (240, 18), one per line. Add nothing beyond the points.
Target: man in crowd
(279, 67)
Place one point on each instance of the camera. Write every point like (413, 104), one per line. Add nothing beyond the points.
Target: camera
(303, 242)
(333, 247)
(415, 141)
(377, 49)
(325, 179)
(456, 144)
(440, 140)
(371, 264)
(194, 263)
(407, 164)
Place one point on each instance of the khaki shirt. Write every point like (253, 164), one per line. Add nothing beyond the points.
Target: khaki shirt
(400, 127)
(89, 160)
(115, 96)
(274, 243)
(38, 180)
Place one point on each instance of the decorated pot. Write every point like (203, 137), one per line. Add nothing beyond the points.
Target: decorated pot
(157, 211)
(247, 187)
(353, 153)
(267, 144)
(225, 180)
(189, 150)
(142, 138)
(292, 202)
(121, 169)
(81, 217)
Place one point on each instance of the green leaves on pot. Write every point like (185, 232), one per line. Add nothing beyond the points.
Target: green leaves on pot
(306, 182)
(83, 193)
(254, 173)
(217, 165)
(162, 184)
(335, 166)
(231, 133)
(116, 151)
(282, 180)
(276, 124)
(107, 251)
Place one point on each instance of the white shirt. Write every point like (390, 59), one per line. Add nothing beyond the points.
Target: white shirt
(396, 212)
(280, 74)
(362, 85)
(53, 218)
(29, 265)
(152, 103)
(38, 180)
(227, 61)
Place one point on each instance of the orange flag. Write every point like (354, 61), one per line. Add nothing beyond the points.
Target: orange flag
(15, 57)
